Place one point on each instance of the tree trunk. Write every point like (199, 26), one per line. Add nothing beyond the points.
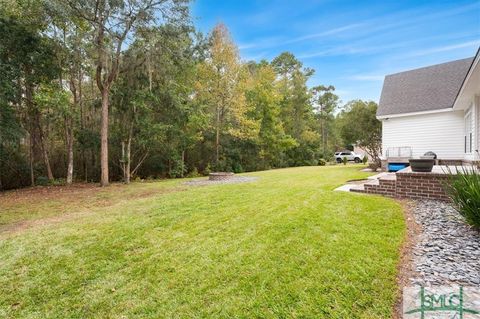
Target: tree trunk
(31, 126)
(104, 139)
(122, 161)
(140, 162)
(35, 113)
(126, 156)
(217, 139)
(128, 161)
(93, 163)
(31, 159)
(46, 158)
(43, 146)
(323, 136)
(69, 153)
(183, 163)
(82, 125)
(85, 167)
(69, 132)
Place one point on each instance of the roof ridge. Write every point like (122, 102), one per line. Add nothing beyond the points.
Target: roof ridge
(431, 66)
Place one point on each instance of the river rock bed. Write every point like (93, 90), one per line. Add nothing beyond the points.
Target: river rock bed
(447, 251)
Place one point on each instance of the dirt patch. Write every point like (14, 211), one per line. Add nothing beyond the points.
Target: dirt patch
(57, 204)
(405, 268)
(34, 194)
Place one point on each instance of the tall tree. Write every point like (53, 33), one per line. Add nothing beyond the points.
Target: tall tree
(297, 111)
(152, 99)
(76, 66)
(113, 22)
(325, 102)
(265, 100)
(359, 126)
(32, 60)
(220, 85)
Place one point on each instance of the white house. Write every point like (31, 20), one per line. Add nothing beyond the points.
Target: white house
(435, 108)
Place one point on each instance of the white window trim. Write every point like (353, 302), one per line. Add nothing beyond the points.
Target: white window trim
(468, 136)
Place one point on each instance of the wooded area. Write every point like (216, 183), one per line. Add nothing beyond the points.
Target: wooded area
(100, 91)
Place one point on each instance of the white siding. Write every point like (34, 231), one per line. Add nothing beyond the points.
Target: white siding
(442, 133)
(477, 128)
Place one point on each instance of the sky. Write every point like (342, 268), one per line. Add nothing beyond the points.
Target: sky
(350, 44)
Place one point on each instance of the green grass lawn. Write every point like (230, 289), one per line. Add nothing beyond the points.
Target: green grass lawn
(285, 246)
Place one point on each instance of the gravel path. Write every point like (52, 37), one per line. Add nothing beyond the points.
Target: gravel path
(231, 180)
(447, 250)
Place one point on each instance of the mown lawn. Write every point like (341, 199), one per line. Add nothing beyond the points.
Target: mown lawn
(285, 246)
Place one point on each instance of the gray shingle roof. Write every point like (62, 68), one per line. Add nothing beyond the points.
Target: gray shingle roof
(425, 89)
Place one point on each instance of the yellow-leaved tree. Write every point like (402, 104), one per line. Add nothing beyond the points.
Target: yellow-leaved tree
(220, 86)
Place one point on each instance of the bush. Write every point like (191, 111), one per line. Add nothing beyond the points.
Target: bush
(58, 182)
(344, 159)
(322, 162)
(194, 173)
(207, 170)
(464, 191)
(365, 159)
(42, 181)
(237, 168)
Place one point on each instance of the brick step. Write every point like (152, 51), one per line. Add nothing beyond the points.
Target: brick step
(358, 188)
(383, 186)
(388, 177)
(407, 184)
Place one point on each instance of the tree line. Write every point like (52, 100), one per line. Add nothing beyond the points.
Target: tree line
(110, 90)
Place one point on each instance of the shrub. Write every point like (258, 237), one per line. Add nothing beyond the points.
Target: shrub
(58, 182)
(463, 189)
(237, 168)
(207, 170)
(322, 162)
(344, 160)
(194, 173)
(365, 159)
(178, 168)
(42, 181)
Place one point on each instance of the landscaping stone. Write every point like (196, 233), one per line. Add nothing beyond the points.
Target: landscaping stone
(230, 180)
(448, 250)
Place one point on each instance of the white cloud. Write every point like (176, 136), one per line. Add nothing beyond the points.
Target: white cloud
(246, 46)
(445, 48)
(325, 33)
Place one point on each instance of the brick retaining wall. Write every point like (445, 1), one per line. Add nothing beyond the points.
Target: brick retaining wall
(417, 185)
(414, 185)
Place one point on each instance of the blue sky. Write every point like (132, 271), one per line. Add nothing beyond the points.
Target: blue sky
(350, 44)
